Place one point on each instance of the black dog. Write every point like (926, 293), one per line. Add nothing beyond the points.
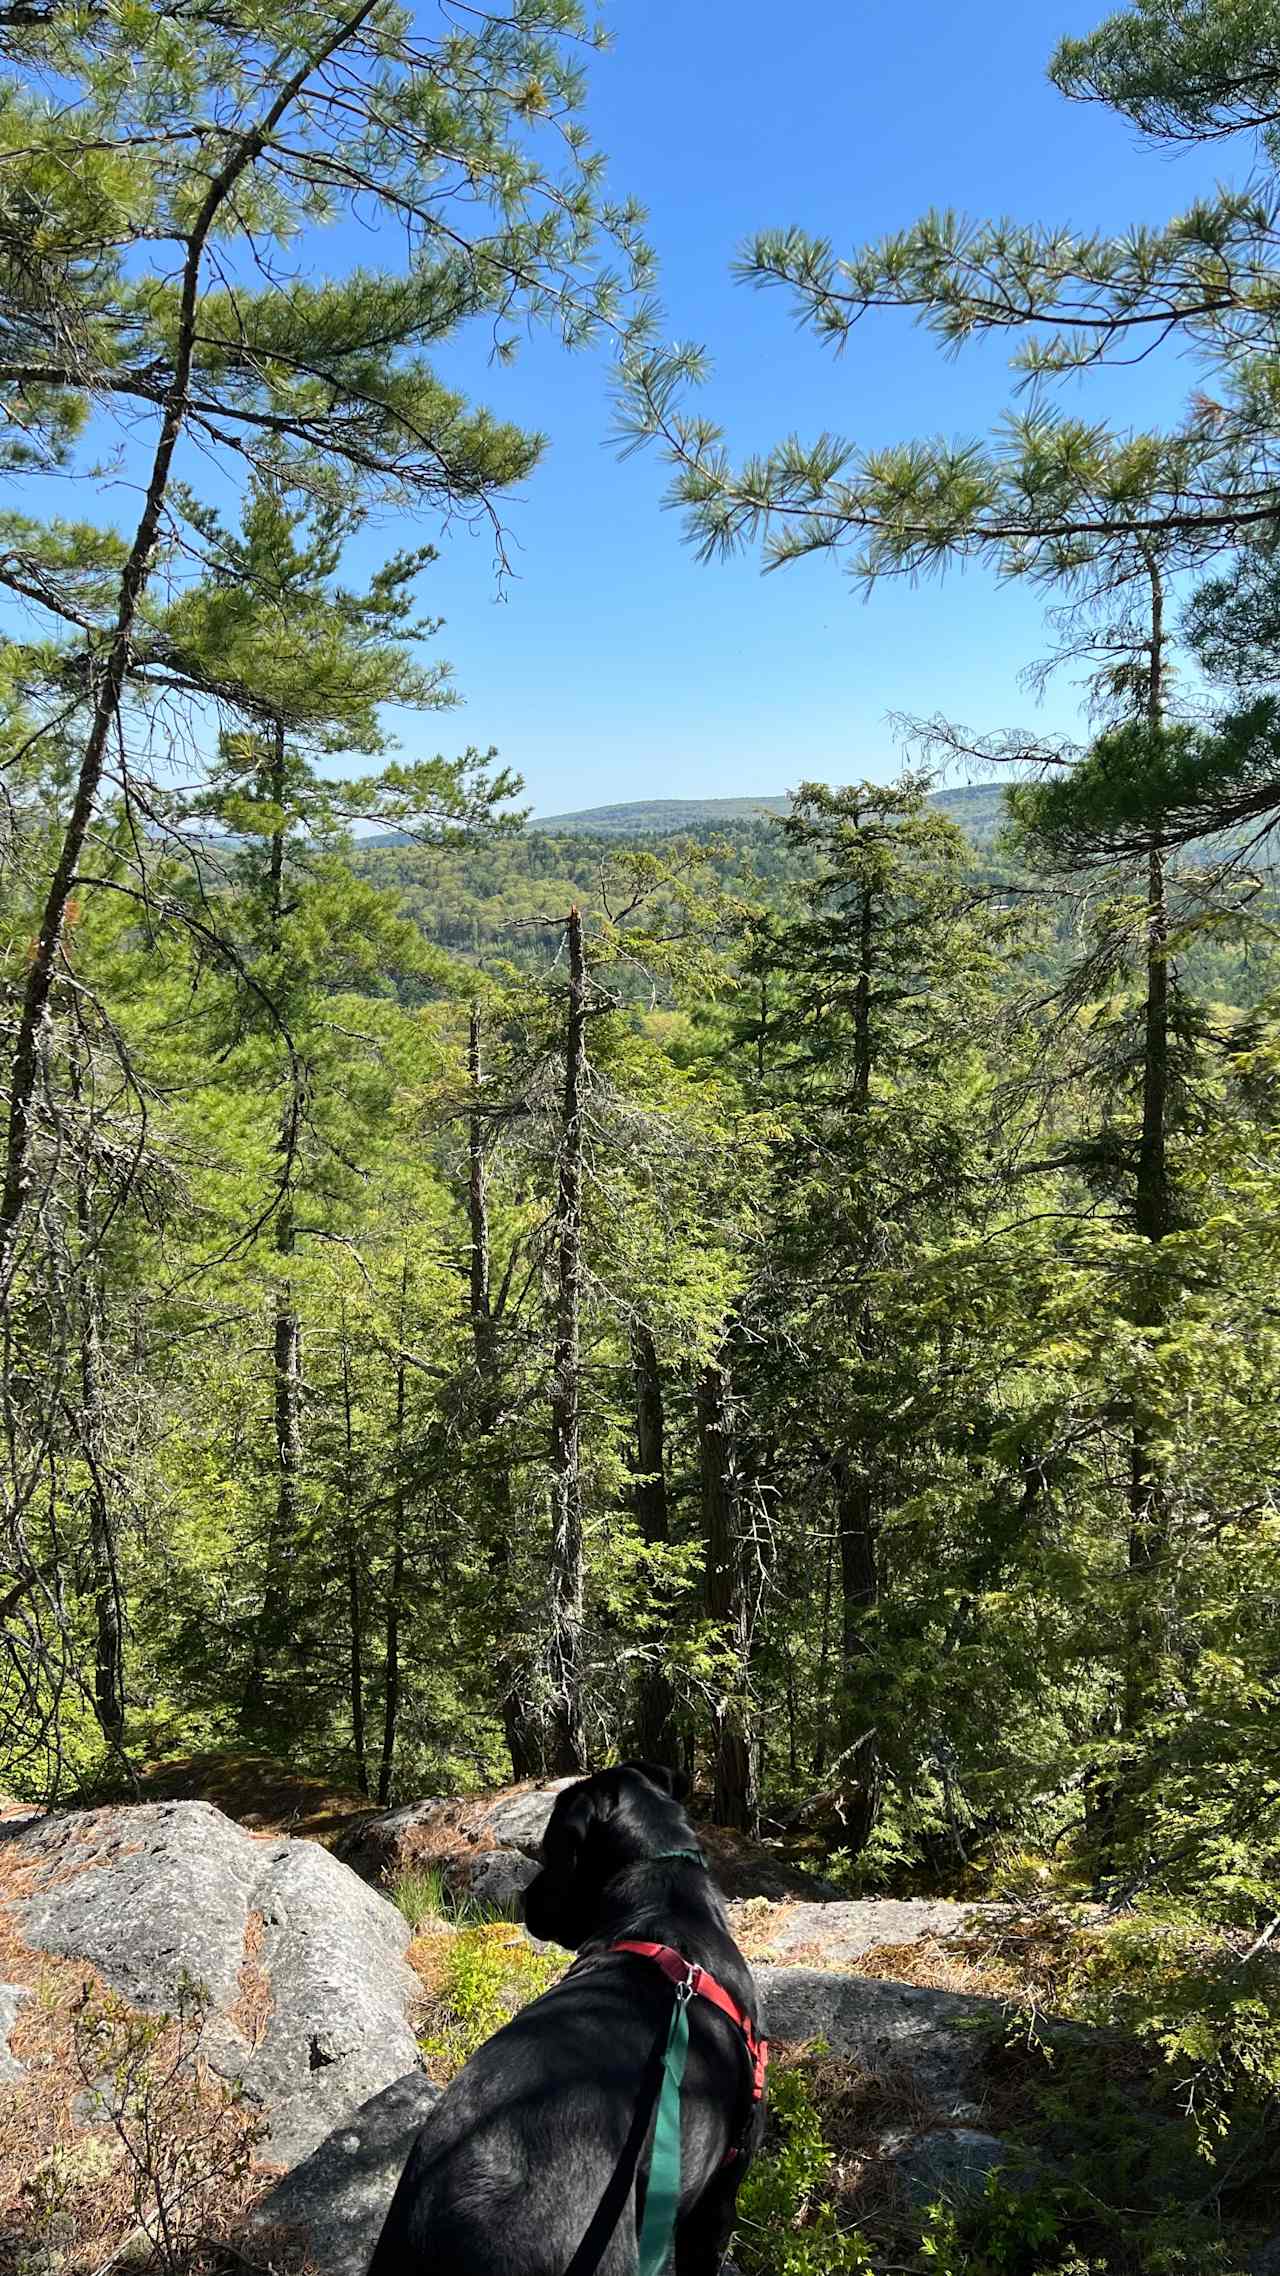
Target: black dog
(516, 2164)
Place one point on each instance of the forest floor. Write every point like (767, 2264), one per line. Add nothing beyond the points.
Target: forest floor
(258, 1791)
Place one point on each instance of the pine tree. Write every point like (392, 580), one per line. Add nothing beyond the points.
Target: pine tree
(301, 119)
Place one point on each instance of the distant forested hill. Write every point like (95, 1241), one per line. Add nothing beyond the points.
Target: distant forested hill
(487, 897)
(503, 899)
(977, 807)
(655, 817)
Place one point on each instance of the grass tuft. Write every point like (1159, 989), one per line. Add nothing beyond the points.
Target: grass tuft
(424, 1896)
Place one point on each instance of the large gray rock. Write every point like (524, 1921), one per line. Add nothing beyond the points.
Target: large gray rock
(953, 2163)
(303, 1964)
(519, 1821)
(339, 2028)
(452, 1833)
(11, 1998)
(338, 2197)
(843, 1930)
(150, 1896)
(375, 1845)
(937, 2039)
(494, 1877)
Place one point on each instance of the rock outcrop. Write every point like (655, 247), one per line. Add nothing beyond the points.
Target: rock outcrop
(934, 2039)
(11, 1997)
(338, 2197)
(309, 1996)
(311, 2002)
(485, 1845)
(830, 1934)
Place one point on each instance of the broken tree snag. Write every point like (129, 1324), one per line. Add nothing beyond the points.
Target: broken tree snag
(656, 1737)
(727, 1603)
(566, 1750)
(518, 1723)
(859, 1595)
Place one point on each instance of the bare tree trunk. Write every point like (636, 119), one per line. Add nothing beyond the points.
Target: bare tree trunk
(391, 1680)
(288, 1396)
(656, 1736)
(282, 1536)
(108, 1607)
(1148, 1491)
(1110, 1790)
(860, 1592)
(734, 1798)
(108, 1610)
(391, 1676)
(856, 1518)
(824, 1656)
(518, 1721)
(354, 1592)
(566, 1748)
(271, 1625)
(862, 1048)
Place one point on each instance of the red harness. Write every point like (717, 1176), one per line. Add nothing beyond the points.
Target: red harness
(689, 1979)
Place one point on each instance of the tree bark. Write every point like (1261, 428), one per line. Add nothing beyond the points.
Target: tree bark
(395, 1586)
(1110, 1790)
(108, 1608)
(287, 1375)
(862, 1047)
(860, 1593)
(856, 1517)
(271, 1625)
(354, 1592)
(566, 1748)
(734, 1796)
(824, 1656)
(518, 1722)
(108, 1611)
(656, 1737)
(1148, 1492)
(108, 1614)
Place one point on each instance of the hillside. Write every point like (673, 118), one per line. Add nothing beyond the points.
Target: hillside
(975, 806)
(654, 817)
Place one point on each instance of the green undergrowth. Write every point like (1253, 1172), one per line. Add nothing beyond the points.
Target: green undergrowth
(788, 2224)
(477, 1978)
(822, 2200)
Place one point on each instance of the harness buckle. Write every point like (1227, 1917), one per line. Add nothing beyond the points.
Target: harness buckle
(688, 1984)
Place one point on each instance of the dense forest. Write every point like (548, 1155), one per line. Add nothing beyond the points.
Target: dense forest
(800, 1299)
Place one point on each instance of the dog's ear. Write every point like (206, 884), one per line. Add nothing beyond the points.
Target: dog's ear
(579, 1809)
(672, 1782)
(559, 1901)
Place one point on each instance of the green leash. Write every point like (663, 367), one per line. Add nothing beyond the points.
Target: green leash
(660, 2101)
(662, 2198)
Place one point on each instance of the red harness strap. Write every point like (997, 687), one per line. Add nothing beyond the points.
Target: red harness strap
(686, 1972)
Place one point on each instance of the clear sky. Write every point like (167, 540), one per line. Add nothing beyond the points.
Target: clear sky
(616, 667)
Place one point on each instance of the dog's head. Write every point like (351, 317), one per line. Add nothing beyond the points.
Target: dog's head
(597, 1828)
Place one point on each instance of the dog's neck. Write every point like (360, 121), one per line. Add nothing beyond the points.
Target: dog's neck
(668, 1901)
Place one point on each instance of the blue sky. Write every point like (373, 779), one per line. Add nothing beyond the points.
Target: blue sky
(615, 666)
(612, 665)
